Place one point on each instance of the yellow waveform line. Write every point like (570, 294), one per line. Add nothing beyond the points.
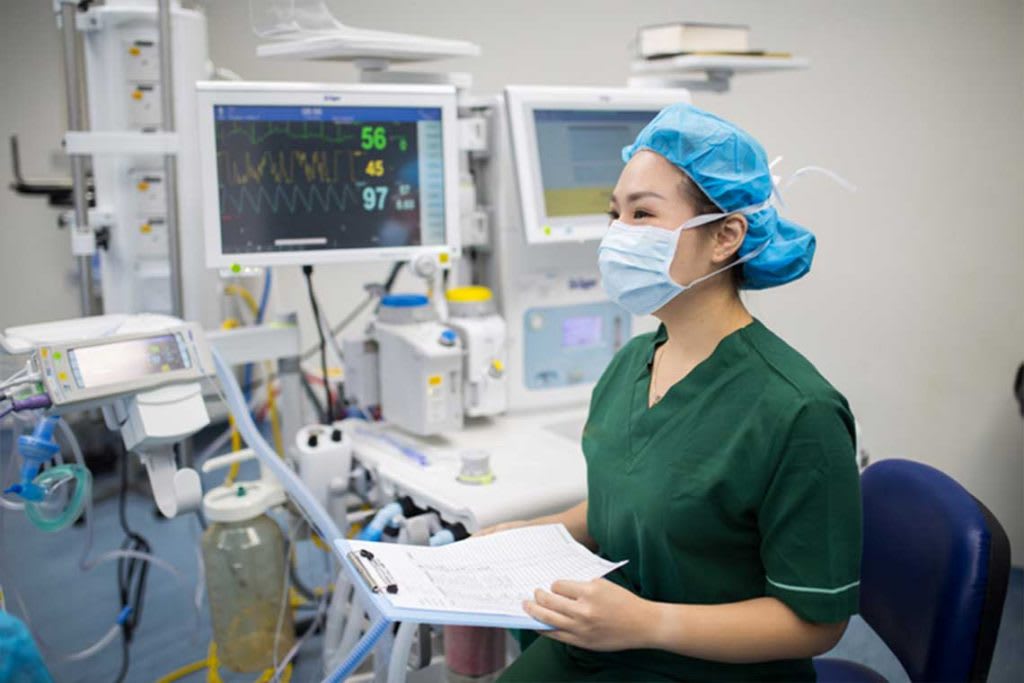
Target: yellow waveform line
(286, 167)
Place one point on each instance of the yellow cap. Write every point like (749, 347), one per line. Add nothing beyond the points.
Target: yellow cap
(472, 294)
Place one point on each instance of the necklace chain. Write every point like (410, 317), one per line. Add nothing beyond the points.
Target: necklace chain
(654, 374)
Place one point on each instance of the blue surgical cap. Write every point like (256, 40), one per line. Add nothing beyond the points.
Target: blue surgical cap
(731, 168)
(20, 661)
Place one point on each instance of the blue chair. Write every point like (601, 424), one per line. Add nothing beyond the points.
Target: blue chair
(934, 575)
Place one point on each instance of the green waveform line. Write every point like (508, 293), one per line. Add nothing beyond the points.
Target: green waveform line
(286, 129)
(294, 199)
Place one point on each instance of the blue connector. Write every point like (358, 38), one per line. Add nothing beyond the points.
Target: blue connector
(36, 450)
(442, 537)
(385, 516)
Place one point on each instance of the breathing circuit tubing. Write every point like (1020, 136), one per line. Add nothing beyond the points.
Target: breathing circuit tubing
(317, 516)
(86, 563)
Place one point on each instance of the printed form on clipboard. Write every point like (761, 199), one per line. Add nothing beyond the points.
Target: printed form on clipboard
(478, 581)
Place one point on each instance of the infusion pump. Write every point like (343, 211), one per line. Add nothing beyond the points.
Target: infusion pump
(92, 373)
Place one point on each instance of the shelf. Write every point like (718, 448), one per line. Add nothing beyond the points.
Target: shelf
(679, 72)
(351, 44)
(687, 64)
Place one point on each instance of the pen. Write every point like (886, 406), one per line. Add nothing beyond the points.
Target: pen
(408, 451)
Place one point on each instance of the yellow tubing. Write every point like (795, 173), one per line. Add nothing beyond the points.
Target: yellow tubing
(275, 417)
(212, 666)
(245, 295)
(186, 670)
(236, 445)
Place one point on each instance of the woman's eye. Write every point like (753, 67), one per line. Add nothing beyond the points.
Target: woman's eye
(640, 213)
(613, 214)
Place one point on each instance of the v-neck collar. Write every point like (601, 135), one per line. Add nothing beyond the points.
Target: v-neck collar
(646, 421)
(661, 336)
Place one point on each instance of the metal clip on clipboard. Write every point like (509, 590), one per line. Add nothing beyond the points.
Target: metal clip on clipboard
(373, 571)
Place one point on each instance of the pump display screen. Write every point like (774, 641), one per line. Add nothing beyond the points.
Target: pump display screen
(105, 364)
(580, 155)
(582, 332)
(301, 178)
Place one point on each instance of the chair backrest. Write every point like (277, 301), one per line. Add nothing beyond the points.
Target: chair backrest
(934, 573)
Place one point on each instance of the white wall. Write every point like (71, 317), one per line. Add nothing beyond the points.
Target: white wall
(915, 307)
(38, 276)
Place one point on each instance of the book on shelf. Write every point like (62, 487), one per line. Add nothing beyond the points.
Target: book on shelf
(666, 40)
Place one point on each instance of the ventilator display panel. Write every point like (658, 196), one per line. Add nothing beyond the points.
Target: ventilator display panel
(580, 154)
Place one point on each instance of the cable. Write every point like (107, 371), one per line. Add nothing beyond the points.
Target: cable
(308, 272)
(264, 296)
(124, 657)
(390, 282)
(375, 292)
(23, 376)
(314, 399)
(337, 329)
(131, 573)
(31, 403)
(87, 564)
(311, 630)
(296, 580)
(258, 311)
(289, 548)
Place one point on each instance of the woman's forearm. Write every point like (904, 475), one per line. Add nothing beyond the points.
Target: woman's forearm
(757, 630)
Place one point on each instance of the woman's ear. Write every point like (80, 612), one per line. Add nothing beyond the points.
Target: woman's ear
(728, 237)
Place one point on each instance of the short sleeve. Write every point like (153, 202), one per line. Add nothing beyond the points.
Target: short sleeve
(810, 519)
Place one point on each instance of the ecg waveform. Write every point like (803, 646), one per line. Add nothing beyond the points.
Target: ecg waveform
(346, 185)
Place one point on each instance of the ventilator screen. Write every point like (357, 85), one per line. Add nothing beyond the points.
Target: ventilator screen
(580, 155)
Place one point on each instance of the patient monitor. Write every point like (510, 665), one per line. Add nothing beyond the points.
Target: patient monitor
(315, 173)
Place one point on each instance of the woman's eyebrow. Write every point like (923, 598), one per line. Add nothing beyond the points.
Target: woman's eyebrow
(637, 196)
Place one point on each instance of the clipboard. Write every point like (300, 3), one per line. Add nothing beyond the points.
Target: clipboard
(515, 562)
(378, 601)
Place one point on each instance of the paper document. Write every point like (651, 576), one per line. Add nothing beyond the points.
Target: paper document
(492, 574)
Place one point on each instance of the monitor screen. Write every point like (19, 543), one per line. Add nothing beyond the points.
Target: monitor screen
(582, 332)
(312, 178)
(105, 364)
(567, 151)
(580, 154)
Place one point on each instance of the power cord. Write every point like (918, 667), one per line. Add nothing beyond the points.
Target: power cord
(308, 272)
(131, 573)
(375, 292)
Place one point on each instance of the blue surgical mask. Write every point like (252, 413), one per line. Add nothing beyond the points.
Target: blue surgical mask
(635, 261)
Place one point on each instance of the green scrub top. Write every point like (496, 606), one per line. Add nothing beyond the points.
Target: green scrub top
(740, 483)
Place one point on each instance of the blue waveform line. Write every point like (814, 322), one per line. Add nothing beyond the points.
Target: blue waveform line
(293, 198)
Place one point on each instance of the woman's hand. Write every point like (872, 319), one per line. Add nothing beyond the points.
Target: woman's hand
(596, 615)
(504, 526)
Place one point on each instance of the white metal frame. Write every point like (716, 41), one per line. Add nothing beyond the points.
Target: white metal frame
(522, 102)
(212, 94)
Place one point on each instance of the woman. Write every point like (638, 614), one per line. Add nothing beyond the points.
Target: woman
(720, 463)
